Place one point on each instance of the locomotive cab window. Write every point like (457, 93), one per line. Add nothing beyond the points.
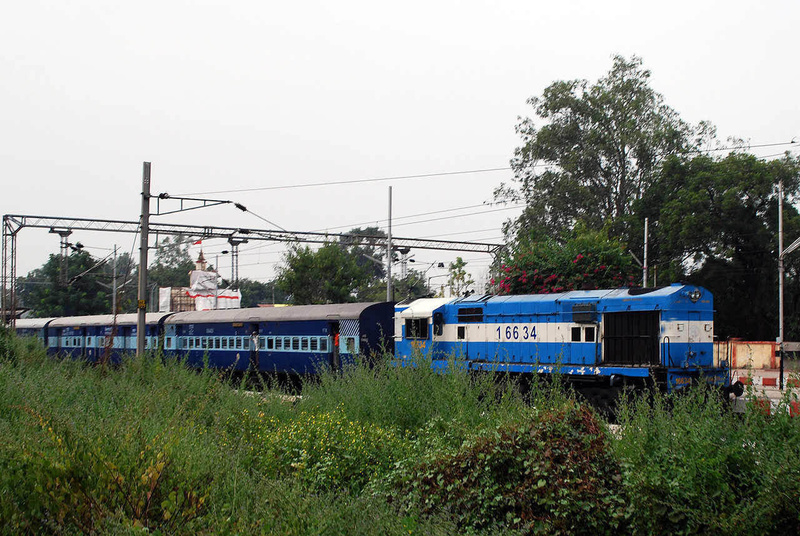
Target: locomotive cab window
(576, 334)
(588, 334)
(416, 328)
(462, 332)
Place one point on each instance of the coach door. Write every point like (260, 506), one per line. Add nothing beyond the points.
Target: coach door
(333, 329)
(254, 346)
(631, 338)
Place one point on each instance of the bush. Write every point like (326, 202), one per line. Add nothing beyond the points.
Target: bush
(325, 450)
(551, 473)
(691, 466)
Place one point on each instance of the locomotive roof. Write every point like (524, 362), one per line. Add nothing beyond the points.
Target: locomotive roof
(128, 319)
(612, 297)
(421, 308)
(334, 311)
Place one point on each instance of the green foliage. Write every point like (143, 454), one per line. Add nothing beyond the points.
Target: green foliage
(407, 398)
(86, 290)
(172, 263)
(551, 473)
(585, 260)
(255, 292)
(692, 467)
(599, 144)
(375, 449)
(327, 275)
(324, 450)
(458, 280)
(714, 223)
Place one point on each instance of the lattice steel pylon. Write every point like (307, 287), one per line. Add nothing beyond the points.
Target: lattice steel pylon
(9, 269)
(13, 223)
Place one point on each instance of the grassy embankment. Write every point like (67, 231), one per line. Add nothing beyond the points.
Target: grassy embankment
(153, 447)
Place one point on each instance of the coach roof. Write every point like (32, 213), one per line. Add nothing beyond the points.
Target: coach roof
(334, 311)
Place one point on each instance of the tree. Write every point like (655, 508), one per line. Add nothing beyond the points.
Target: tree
(714, 223)
(582, 260)
(327, 275)
(255, 292)
(596, 152)
(172, 264)
(44, 291)
(458, 280)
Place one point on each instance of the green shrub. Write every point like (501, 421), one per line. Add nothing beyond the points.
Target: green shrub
(324, 450)
(691, 466)
(551, 473)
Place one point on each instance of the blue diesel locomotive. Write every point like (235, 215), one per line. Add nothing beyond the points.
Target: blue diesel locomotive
(595, 338)
(600, 340)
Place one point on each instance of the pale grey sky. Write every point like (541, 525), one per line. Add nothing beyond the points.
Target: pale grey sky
(244, 94)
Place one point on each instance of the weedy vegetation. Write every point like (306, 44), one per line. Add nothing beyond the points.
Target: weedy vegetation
(152, 447)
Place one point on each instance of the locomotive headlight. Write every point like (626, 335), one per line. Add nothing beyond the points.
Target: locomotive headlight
(694, 295)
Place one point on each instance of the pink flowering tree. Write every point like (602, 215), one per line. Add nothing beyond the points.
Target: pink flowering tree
(584, 261)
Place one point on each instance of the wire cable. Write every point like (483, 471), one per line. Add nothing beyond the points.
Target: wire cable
(452, 173)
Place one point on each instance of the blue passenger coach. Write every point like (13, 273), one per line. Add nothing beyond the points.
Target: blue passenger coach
(298, 339)
(597, 337)
(90, 337)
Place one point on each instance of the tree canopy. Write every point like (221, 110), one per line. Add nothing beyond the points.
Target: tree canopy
(172, 263)
(715, 223)
(87, 289)
(327, 275)
(595, 152)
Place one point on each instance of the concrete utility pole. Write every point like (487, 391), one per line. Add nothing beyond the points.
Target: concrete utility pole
(141, 323)
(780, 278)
(644, 267)
(114, 284)
(389, 252)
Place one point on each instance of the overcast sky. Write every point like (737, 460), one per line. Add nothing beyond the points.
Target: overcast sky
(238, 95)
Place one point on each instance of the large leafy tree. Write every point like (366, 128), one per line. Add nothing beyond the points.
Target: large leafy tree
(81, 293)
(172, 263)
(593, 150)
(328, 275)
(714, 222)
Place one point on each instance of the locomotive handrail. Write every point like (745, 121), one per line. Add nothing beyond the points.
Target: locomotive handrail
(666, 340)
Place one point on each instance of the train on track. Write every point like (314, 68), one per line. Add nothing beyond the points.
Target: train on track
(598, 340)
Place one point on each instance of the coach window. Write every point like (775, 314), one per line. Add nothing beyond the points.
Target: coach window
(295, 343)
(314, 344)
(224, 343)
(278, 343)
(588, 334)
(287, 343)
(323, 344)
(416, 328)
(271, 343)
(304, 344)
(576, 334)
